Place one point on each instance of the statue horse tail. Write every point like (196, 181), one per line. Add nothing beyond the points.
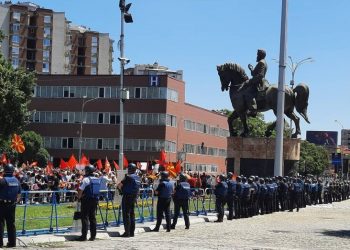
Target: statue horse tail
(301, 93)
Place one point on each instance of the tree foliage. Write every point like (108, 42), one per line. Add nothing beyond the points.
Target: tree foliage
(313, 158)
(34, 149)
(16, 88)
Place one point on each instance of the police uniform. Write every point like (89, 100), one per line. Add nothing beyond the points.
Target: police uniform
(220, 194)
(9, 190)
(165, 191)
(181, 196)
(90, 187)
(130, 190)
(231, 193)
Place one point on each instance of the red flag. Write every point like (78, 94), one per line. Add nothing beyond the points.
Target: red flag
(178, 167)
(99, 164)
(162, 158)
(72, 162)
(33, 164)
(17, 143)
(116, 165)
(63, 164)
(84, 160)
(107, 166)
(3, 158)
(49, 168)
(125, 162)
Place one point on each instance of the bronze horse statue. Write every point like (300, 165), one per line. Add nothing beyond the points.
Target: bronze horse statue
(233, 77)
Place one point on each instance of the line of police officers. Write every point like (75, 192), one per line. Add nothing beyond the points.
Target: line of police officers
(246, 197)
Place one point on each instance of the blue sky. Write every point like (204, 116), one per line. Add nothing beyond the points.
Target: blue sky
(197, 35)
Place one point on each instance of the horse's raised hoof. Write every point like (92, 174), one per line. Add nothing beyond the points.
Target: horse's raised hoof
(294, 136)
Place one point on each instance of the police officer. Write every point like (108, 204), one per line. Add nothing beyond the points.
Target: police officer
(231, 193)
(237, 202)
(181, 196)
(164, 191)
(9, 194)
(88, 194)
(220, 194)
(130, 187)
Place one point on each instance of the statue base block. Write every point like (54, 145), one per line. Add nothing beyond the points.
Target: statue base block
(255, 156)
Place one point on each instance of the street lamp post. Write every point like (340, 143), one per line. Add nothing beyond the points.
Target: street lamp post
(81, 123)
(124, 17)
(293, 66)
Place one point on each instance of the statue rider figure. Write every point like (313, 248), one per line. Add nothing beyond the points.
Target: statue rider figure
(257, 80)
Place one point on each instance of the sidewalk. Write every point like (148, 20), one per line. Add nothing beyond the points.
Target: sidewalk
(105, 234)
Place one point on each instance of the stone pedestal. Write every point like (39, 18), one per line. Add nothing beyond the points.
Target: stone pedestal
(256, 155)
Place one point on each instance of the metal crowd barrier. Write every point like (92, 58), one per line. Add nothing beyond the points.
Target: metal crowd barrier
(109, 210)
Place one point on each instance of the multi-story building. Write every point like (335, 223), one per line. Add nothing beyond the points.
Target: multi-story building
(156, 117)
(345, 138)
(44, 41)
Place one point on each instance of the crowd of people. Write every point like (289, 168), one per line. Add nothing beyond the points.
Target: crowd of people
(243, 196)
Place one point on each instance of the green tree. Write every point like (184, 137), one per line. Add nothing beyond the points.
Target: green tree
(16, 88)
(313, 158)
(34, 150)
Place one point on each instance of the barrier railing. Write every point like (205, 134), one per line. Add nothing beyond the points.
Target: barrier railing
(46, 212)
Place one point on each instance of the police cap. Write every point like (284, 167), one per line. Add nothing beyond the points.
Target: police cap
(131, 168)
(164, 175)
(9, 169)
(89, 170)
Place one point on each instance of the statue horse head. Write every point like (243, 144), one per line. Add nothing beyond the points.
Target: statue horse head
(231, 74)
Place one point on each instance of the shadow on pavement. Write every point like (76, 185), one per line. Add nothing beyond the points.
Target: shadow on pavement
(337, 233)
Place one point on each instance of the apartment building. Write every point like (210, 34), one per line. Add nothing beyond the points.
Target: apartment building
(44, 41)
(156, 117)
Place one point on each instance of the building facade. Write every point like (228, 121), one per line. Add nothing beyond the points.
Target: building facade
(156, 117)
(345, 138)
(44, 41)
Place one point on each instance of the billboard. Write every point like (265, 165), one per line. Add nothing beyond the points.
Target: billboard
(322, 138)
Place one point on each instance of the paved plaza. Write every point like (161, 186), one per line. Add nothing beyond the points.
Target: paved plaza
(315, 227)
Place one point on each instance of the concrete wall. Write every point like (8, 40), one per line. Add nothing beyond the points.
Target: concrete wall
(5, 27)
(103, 55)
(58, 44)
(242, 151)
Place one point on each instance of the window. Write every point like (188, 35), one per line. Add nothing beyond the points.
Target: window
(93, 60)
(16, 16)
(94, 41)
(93, 50)
(46, 55)
(64, 142)
(16, 39)
(15, 63)
(65, 91)
(112, 119)
(171, 120)
(47, 19)
(99, 143)
(46, 42)
(65, 117)
(47, 31)
(101, 92)
(70, 142)
(46, 67)
(100, 118)
(16, 27)
(93, 70)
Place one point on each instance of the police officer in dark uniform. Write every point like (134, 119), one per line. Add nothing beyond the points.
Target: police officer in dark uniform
(9, 194)
(164, 191)
(181, 196)
(88, 194)
(231, 193)
(237, 202)
(220, 194)
(130, 188)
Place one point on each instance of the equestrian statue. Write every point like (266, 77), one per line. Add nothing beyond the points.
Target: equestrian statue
(249, 96)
